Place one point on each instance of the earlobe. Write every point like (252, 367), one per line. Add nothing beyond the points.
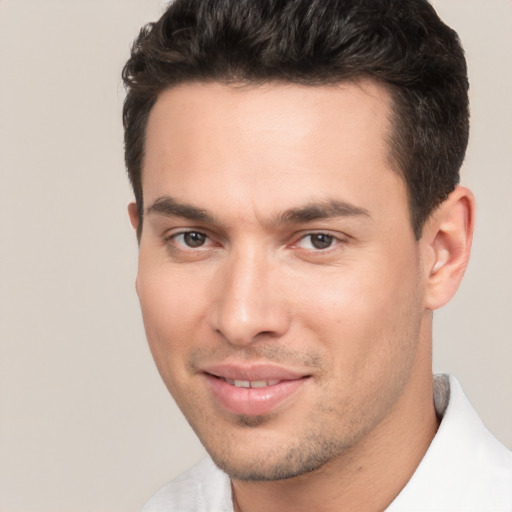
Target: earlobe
(133, 213)
(448, 235)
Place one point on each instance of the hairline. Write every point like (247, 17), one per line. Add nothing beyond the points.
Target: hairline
(240, 83)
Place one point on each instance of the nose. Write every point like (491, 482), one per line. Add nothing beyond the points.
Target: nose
(250, 302)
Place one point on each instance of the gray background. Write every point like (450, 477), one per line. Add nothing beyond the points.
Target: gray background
(85, 423)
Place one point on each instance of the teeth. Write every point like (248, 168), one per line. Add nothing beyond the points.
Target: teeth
(259, 384)
(252, 383)
(264, 383)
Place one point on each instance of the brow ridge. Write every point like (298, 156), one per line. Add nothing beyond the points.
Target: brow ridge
(321, 210)
(168, 206)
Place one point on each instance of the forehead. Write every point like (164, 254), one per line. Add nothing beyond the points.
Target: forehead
(272, 142)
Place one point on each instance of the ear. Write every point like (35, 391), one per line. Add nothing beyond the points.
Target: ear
(447, 236)
(133, 213)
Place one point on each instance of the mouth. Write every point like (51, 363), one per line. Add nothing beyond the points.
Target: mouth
(252, 383)
(254, 390)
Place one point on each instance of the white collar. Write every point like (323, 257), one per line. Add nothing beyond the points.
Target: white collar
(465, 469)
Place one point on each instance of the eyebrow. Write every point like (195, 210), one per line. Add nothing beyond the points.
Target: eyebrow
(326, 209)
(169, 207)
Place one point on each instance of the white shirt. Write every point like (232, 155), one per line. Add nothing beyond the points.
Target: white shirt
(465, 469)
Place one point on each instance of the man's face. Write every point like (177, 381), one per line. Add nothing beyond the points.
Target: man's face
(280, 282)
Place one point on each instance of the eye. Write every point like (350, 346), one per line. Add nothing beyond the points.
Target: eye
(190, 239)
(316, 241)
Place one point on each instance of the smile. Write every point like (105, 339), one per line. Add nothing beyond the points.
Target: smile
(252, 383)
(253, 390)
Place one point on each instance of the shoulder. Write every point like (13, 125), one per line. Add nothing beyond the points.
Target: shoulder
(465, 468)
(203, 488)
(465, 432)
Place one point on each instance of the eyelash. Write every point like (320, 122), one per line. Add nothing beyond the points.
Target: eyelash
(332, 239)
(172, 238)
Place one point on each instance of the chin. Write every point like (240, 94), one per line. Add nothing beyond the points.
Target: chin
(271, 465)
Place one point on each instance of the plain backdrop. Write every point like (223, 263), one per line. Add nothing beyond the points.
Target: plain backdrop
(85, 423)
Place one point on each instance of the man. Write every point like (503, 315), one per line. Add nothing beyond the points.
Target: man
(295, 168)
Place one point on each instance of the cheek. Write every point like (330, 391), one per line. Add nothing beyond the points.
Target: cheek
(171, 310)
(365, 314)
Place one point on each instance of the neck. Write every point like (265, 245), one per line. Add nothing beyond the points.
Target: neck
(367, 476)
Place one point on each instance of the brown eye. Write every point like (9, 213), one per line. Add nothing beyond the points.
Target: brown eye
(321, 240)
(194, 239)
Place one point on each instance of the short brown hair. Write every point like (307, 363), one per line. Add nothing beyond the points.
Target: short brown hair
(400, 43)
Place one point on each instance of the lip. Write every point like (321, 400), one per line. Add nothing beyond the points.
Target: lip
(252, 372)
(253, 401)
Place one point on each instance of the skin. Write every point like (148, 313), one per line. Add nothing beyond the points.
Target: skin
(254, 284)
